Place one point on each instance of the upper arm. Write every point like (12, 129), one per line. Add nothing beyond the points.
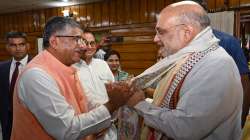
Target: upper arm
(210, 86)
(41, 95)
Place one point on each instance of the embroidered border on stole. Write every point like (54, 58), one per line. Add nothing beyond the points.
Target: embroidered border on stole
(181, 74)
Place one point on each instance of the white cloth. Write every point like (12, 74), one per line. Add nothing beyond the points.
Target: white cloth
(205, 37)
(41, 95)
(23, 63)
(100, 54)
(92, 78)
(210, 101)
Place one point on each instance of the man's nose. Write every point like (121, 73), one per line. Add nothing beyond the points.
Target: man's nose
(83, 47)
(156, 38)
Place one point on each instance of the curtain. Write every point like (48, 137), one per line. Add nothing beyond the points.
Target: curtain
(223, 21)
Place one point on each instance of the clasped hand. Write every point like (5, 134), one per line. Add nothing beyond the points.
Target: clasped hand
(121, 93)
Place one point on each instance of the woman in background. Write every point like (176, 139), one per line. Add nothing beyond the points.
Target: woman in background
(113, 57)
(127, 117)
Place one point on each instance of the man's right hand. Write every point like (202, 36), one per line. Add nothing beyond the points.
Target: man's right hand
(119, 93)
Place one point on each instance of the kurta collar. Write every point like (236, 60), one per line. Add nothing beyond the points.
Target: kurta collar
(58, 64)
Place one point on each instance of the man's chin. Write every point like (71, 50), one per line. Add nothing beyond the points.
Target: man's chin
(77, 57)
(76, 60)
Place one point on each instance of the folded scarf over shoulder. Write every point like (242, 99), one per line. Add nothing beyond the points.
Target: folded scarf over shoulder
(201, 42)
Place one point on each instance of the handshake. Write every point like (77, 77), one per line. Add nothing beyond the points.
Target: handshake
(121, 93)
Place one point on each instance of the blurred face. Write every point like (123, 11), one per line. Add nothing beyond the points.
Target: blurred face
(113, 62)
(169, 35)
(68, 45)
(17, 48)
(91, 45)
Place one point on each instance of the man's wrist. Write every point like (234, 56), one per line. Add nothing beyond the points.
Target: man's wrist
(110, 107)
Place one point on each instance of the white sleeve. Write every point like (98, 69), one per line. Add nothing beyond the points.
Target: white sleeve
(107, 74)
(40, 93)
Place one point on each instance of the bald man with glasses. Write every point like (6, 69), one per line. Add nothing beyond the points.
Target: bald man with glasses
(199, 94)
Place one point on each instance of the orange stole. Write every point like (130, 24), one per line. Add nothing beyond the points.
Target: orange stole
(25, 125)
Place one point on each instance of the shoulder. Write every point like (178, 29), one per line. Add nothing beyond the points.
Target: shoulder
(223, 35)
(34, 73)
(218, 61)
(219, 56)
(30, 58)
(35, 76)
(7, 62)
(99, 62)
(123, 73)
(227, 40)
(5, 65)
(216, 69)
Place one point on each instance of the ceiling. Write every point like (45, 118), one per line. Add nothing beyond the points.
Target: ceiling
(9, 6)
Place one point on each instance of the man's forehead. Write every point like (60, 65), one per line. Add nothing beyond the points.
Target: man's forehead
(164, 20)
(89, 36)
(17, 39)
(70, 29)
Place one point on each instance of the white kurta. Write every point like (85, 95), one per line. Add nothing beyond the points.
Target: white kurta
(93, 78)
(39, 92)
(210, 103)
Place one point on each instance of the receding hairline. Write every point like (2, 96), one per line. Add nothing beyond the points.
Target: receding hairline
(183, 7)
(187, 12)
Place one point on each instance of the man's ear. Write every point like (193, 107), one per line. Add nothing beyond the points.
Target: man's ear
(28, 46)
(188, 33)
(53, 42)
(7, 47)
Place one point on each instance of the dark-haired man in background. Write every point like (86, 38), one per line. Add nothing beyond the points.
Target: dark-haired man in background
(232, 47)
(17, 47)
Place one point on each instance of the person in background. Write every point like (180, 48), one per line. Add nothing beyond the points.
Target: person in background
(103, 47)
(199, 95)
(113, 57)
(18, 47)
(232, 47)
(49, 101)
(93, 74)
(127, 117)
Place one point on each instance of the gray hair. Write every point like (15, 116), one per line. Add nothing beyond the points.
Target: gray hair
(57, 24)
(195, 17)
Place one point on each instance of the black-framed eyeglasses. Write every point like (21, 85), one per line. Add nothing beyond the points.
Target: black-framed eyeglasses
(89, 43)
(79, 40)
(160, 31)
